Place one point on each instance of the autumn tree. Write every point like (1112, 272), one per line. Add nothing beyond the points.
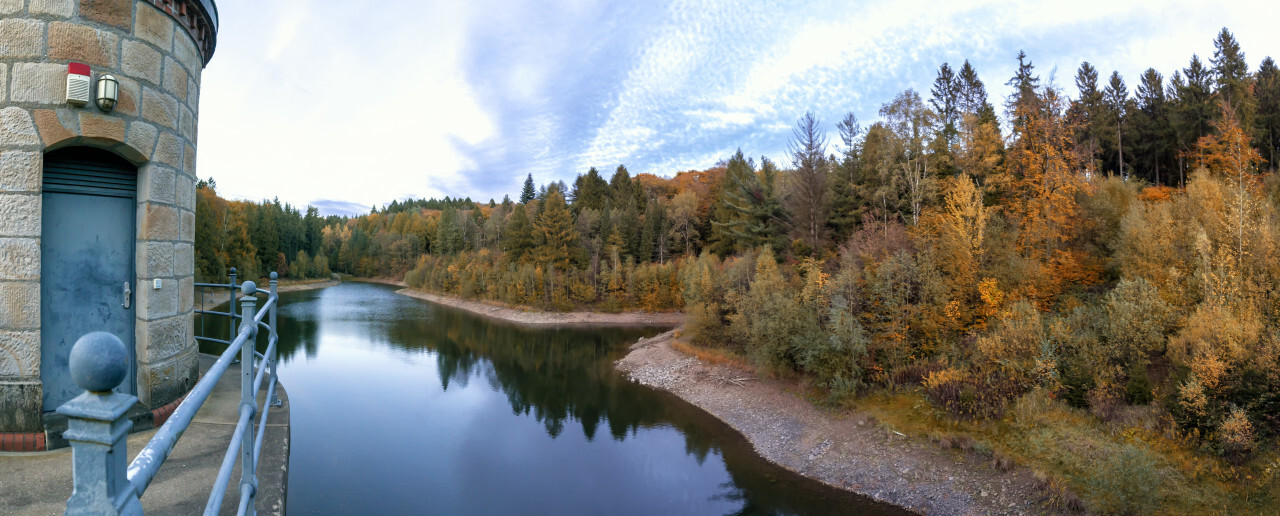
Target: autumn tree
(912, 125)
(683, 214)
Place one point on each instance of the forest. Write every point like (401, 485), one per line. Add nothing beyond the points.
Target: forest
(1108, 253)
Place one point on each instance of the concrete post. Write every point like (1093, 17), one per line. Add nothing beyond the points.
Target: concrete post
(97, 428)
(231, 309)
(275, 352)
(248, 398)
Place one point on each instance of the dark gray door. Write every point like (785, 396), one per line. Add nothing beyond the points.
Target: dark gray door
(86, 261)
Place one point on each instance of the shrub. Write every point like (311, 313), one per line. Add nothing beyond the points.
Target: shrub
(1235, 435)
(1126, 481)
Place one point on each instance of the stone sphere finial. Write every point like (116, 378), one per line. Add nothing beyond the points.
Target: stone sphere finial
(274, 276)
(249, 288)
(98, 362)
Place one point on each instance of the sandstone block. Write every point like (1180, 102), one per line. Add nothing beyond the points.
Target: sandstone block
(75, 42)
(162, 383)
(141, 61)
(186, 192)
(159, 223)
(189, 161)
(185, 51)
(183, 259)
(21, 38)
(22, 259)
(186, 294)
(17, 128)
(20, 171)
(19, 215)
(159, 185)
(159, 108)
(157, 257)
(19, 306)
(175, 78)
(129, 93)
(101, 127)
(188, 231)
(62, 8)
(168, 151)
(153, 26)
(118, 13)
(187, 123)
(156, 304)
(193, 96)
(41, 83)
(4, 82)
(50, 127)
(142, 136)
(10, 6)
(163, 338)
(20, 352)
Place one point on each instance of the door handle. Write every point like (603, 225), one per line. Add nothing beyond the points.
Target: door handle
(128, 295)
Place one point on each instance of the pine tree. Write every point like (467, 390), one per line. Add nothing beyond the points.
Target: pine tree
(518, 238)
(527, 193)
(846, 208)
(1025, 100)
(1086, 113)
(1231, 73)
(1267, 121)
(808, 201)
(946, 103)
(558, 240)
(750, 214)
(1116, 98)
(1153, 137)
(1191, 94)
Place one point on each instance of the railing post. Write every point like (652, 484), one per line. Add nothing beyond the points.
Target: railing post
(231, 309)
(275, 352)
(248, 398)
(97, 428)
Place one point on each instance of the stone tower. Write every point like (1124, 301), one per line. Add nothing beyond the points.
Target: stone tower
(73, 176)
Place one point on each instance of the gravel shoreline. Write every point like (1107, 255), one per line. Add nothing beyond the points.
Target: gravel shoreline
(215, 297)
(847, 450)
(536, 318)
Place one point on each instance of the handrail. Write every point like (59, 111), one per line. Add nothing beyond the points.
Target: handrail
(97, 425)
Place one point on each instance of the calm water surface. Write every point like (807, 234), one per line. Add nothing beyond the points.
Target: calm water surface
(400, 406)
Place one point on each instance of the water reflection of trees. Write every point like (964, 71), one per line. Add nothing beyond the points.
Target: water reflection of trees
(560, 377)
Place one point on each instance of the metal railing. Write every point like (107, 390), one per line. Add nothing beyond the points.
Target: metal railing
(98, 426)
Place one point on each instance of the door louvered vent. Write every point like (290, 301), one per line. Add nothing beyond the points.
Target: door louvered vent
(88, 171)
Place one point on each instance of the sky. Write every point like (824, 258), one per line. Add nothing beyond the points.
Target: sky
(349, 104)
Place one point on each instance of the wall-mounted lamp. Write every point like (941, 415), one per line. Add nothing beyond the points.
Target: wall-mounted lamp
(108, 92)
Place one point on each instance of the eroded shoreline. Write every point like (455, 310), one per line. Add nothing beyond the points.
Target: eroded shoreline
(847, 450)
(534, 318)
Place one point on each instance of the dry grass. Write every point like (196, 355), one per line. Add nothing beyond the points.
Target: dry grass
(1107, 465)
(1081, 461)
(711, 355)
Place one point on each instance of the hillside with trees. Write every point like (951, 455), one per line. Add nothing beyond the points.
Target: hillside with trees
(1085, 278)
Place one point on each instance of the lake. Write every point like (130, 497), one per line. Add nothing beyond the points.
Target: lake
(401, 406)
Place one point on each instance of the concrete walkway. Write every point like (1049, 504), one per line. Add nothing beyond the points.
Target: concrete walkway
(40, 482)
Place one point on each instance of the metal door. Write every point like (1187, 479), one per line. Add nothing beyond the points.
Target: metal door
(86, 261)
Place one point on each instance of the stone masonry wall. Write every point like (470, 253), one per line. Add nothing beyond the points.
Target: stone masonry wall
(158, 65)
